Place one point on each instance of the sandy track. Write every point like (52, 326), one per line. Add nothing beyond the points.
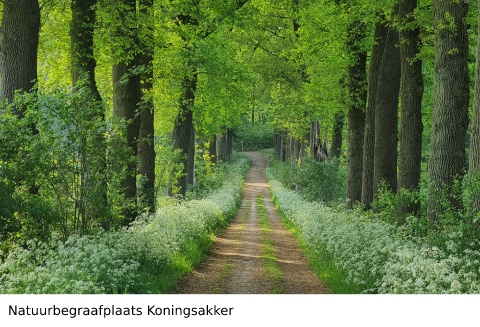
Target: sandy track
(235, 264)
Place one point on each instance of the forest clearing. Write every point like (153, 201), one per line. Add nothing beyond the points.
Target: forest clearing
(239, 146)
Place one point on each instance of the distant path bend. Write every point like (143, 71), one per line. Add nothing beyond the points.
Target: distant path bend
(236, 263)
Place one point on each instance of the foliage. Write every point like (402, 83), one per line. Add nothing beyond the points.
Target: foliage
(253, 137)
(59, 164)
(450, 224)
(374, 254)
(209, 176)
(314, 180)
(147, 257)
(168, 167)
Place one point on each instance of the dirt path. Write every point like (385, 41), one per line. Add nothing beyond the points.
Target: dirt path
(255, 254)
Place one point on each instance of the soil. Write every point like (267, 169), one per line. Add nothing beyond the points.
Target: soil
(235, 263)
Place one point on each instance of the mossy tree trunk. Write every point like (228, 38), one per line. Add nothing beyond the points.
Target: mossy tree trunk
(146, 140)
(19, 34)
(356, 112)
(386, 113)
(474, 159)
(450, 112)
(369, 137)
(411, 126)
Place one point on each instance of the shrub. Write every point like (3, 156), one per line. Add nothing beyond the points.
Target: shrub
(253, 137)
(374, 255)
(314, 180)
(145, 258)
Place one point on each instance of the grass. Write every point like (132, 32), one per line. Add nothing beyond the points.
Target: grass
(181, 264)
(324, 264)
(270, 260)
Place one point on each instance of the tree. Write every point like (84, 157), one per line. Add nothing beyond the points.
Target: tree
(356, 112)
(337, 138)
(474, 160)
(81, 35)
(411, 126)
(369, 137)
(19, 32)
(146, 141)
(386, 110)
(450, 112)
(92, 202)
(193, 24)
(127, 94)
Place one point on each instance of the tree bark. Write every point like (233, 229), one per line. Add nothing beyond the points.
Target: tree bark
(337, 138)
(146, 156)
(19, 33)
(450, 111)
(183, 131)
(369, 138)
(229, 149)
(221, 144)
(386, 113)
(474, 160)
(356, 112)
(127, 96)
(81, 36)
(146, 140)
(94, 200)
(411, 126)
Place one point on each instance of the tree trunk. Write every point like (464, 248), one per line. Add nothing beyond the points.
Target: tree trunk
(369, 138)
(411, 126)
(319, 151)
(126, 99)
(221, 144)
(386, 114)
(19, 33)
(356, 112)
(93, 186)
(127, 96)
(183, 131)
(146, 141)
(474, 160)
(229, 143)
(146, 156)
(450, 111)
(337, 139)
(81, 36)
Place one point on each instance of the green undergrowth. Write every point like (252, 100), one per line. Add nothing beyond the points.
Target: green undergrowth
(148, 257)
(323, 263)
(270, 260)
(356, 254)
(253, 137)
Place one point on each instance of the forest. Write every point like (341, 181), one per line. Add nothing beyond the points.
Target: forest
(123, 123)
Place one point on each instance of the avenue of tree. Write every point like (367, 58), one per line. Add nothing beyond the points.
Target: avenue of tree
(108, 105)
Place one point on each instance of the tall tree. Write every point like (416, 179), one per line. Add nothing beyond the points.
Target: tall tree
(450, 111)
(386, 111)
(81, 36)
(193, 24)
(411, 126)
(337, 137)
(127, 94)
(369, 137)
(19, 32)
(146, 142)
(356, 112)
(474, 159)
(93, 201)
